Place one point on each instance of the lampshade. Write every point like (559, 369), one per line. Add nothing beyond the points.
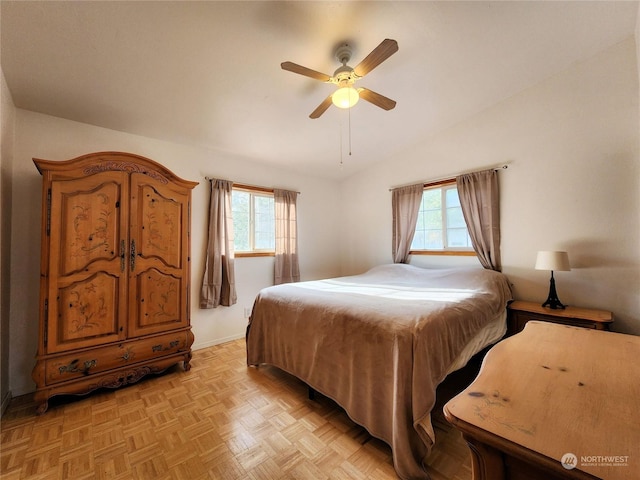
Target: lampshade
(345, 97)
(548, 260)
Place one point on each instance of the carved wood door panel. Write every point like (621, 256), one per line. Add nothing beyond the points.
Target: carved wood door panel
(88, 276)
(160, 247)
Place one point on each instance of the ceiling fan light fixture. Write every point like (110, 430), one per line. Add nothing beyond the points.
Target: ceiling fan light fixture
(345, 97)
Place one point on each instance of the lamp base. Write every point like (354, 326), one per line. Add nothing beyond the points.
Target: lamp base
(554, 304)
(553, 301)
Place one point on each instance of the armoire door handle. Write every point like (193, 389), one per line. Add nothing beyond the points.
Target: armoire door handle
(122, 255)
(133, 255)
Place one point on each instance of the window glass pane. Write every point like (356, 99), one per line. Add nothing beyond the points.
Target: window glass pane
(458, 238)
(433, 219)
(432, 199)
(452, 198)
(264, 205)
(419, 240)
(434, 240)
(455, 218)
(420, 225)
(241, 220)
(264, 223)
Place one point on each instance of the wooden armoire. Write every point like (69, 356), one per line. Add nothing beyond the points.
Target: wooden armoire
(114, 273)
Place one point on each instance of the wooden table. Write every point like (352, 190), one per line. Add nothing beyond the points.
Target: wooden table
(550, 391)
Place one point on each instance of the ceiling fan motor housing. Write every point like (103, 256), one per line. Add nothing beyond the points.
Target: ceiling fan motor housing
(344, 76)
(343, 53)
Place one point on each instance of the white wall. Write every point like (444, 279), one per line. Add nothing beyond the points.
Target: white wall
(573, 184)
(47, 137)
(7, 114)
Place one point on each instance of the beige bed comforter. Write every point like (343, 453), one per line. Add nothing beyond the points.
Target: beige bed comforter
(378, 343)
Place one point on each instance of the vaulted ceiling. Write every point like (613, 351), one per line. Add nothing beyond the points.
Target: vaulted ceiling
(208, 73)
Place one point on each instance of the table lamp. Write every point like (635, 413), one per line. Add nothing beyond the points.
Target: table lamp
(558, 261)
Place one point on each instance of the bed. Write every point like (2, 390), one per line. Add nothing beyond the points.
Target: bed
(379, 343)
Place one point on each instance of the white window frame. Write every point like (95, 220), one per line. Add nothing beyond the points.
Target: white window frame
(443, 186)
(254, 192)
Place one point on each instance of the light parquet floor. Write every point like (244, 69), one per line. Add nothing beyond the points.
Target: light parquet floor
(221, 420)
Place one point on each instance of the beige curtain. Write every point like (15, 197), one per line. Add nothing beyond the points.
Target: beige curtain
(218, 283)
(286, 267)
(405, 204)
(480, 201)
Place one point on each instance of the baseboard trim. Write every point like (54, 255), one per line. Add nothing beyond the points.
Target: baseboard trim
(218, 341)
(5, 403)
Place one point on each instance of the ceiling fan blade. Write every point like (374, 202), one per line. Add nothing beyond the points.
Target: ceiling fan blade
(379, 54)
(377, 99)
(307, 72)
(321, 108)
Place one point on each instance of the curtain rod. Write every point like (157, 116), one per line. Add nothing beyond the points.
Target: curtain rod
(258, 187)
(452, 177)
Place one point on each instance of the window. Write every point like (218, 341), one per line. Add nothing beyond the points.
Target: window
(441, 227)
(253, 221)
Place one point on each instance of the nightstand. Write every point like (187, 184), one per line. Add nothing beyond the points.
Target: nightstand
(519, 313)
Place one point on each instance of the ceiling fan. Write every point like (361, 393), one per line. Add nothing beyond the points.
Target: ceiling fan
(345, 76)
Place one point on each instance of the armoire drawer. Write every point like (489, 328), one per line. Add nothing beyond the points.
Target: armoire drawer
(87, 362)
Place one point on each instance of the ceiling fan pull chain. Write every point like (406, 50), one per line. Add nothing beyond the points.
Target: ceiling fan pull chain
(340, 144)
(349, 131)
